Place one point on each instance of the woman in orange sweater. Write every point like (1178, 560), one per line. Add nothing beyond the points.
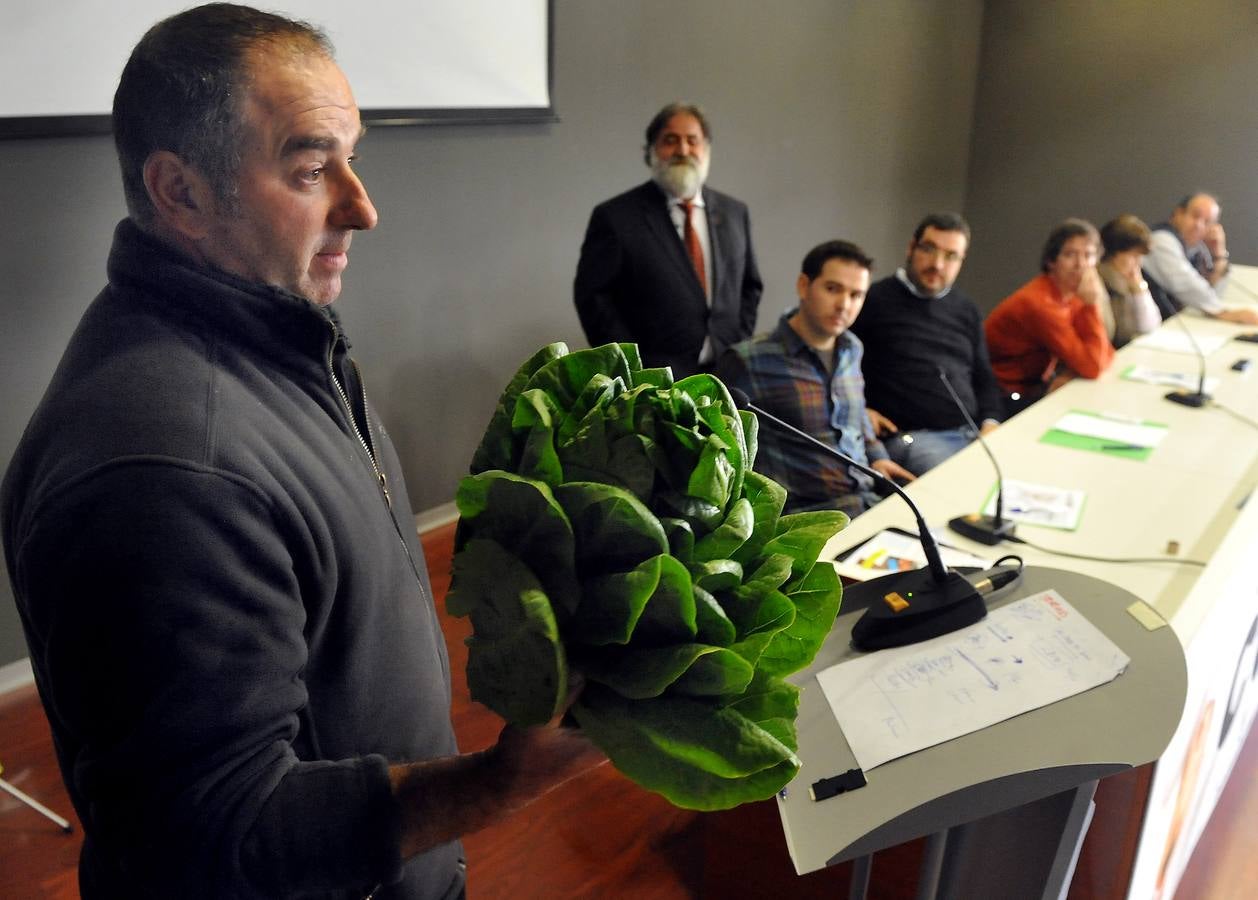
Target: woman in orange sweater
(1052, 329)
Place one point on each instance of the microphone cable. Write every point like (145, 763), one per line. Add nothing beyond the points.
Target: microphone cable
(998, 574)
(1236, 415)
(1107, 559)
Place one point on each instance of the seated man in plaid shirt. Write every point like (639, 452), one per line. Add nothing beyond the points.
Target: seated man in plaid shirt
(808, 372)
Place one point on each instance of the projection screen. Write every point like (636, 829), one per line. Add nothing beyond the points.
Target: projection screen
(425, 61)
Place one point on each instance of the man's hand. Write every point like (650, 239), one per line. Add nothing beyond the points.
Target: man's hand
(532, 762)
(445, 798)
(1241, 315)
(1092, 287)
(893, 470)
(882, 425)
(988, 426)
(1216, 243)
(1061, 379)
(1128, 265)
(1216, 240)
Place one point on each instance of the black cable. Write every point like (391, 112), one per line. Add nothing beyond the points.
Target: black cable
(1108, 559)
(1012, 556)
(997, 576)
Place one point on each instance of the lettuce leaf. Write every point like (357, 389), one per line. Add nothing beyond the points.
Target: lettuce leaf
(516, 662)
(696, 756)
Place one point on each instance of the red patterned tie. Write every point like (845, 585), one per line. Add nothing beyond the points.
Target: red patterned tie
(693, 247)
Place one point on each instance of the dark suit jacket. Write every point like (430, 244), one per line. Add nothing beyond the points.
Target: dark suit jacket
(635, 282)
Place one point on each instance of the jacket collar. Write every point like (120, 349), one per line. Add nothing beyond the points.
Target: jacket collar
(902, 276)
(255, 314)
(794, 345)
(1170, 229)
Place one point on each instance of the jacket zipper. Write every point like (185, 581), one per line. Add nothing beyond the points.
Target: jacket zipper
(365, 441)
(369, 441)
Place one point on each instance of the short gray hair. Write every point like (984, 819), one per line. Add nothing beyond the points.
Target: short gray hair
(182, 88)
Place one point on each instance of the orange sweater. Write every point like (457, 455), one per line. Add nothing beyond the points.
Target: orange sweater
(1035, 327)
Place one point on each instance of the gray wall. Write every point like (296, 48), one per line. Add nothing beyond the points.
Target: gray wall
(1094, 109)
(471, 268)
(830, 119)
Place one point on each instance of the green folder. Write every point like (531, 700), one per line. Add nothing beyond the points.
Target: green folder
(1107, 446)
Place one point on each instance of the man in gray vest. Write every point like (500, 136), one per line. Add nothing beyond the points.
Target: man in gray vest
(1188, 259)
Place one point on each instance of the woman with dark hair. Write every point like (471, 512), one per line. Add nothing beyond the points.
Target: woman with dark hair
(1052, 328)
(1133, 311)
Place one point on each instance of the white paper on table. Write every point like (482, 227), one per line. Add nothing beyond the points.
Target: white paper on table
(1038, 504)
(890, 551)
(1120, 431)
(1176, 341)
(1025, 655)
(1170, 379)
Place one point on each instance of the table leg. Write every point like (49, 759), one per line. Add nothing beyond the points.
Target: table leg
(860, 877)
(1029, 851)
(932, 866)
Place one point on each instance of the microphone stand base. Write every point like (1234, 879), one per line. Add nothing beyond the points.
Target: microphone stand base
(907, 607)
(984, 529)
(1188, 398)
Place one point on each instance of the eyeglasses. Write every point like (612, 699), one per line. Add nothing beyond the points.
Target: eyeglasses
(930, 249)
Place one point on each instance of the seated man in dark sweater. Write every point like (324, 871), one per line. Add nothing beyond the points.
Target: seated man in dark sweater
(914, 324)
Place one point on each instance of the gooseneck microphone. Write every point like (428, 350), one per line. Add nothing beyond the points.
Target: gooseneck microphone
(1189, 398)
(990, 530)
(903, 607)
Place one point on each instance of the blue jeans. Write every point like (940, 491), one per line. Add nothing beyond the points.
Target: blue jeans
(920, 451)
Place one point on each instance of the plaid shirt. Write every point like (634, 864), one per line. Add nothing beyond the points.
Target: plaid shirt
(786, 377)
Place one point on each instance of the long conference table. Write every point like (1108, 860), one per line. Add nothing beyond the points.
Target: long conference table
(1185, 501)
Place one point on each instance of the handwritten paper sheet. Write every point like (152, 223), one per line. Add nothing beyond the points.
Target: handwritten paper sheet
(1025, 655)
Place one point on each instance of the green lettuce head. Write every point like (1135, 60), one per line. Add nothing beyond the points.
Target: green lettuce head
(613, 525)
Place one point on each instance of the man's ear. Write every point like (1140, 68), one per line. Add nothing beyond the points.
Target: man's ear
(180, 194)
(801, 285)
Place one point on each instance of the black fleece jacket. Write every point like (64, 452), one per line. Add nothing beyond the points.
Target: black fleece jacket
(227, 608)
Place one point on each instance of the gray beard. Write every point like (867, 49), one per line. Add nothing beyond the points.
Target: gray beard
(679, 178)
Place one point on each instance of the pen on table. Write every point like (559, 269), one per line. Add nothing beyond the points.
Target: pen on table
(1123, 447)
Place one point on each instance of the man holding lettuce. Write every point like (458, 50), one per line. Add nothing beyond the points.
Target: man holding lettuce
(808, 373)
(210, 542)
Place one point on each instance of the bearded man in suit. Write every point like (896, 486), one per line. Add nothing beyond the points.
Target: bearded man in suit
(669, 265)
